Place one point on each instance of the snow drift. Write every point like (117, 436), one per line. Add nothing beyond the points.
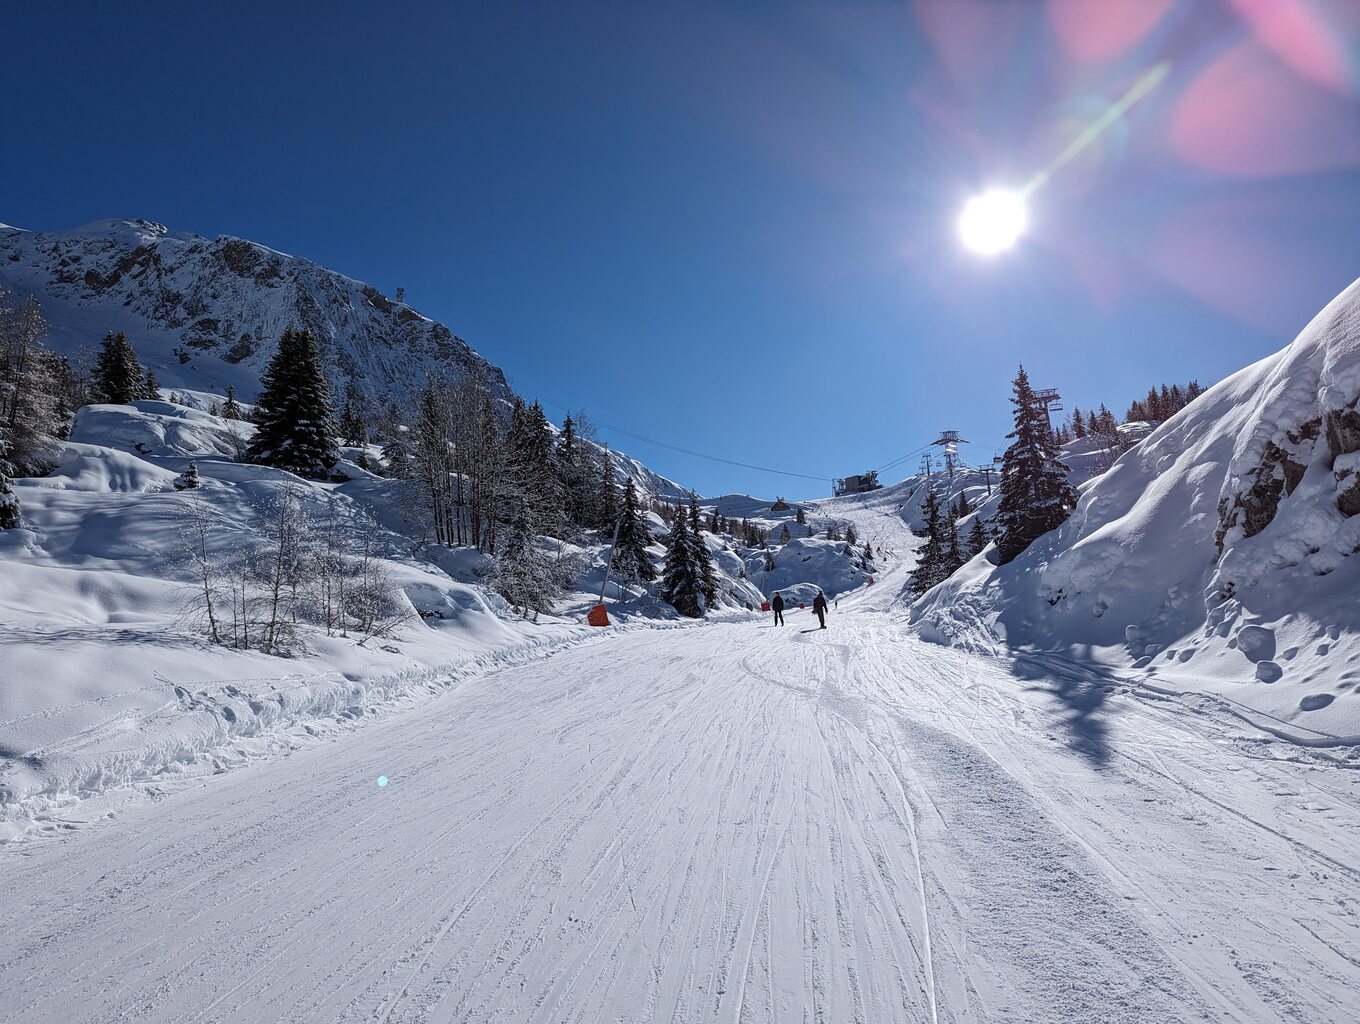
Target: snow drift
(1215, 554)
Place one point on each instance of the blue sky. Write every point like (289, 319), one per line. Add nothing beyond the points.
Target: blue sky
(732, 227)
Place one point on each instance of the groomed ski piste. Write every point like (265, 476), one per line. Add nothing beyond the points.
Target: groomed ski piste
(726, 822)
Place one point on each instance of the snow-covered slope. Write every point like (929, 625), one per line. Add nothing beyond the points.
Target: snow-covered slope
(106, 679)
(1214, 555)
(206, 313)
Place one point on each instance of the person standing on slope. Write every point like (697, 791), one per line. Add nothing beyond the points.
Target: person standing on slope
(778, 605)
(819, 608)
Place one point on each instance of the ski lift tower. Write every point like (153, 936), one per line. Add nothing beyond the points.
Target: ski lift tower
(1051, 401)
(950, 441)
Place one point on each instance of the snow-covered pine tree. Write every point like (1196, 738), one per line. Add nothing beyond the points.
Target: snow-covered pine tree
(1078, 424)
(33, 410)
(800, 516)
(188, 480)
(397, 457)
(703, 558)
(523, 576)
(1035, 494)
(931, 562)
(531, 471)
(294, 413)
(352, 425)
(151, 388)
(10, 517)
(868, 552)
(631, 560)
(769, 560)
(231, 409)
(118, 374)
(784, 534)
(680, 583)
(851, 537)
(962, 507)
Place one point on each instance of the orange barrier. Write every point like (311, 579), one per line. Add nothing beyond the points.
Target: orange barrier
(598, 616)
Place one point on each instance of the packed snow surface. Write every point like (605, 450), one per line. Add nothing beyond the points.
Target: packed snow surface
(725, 823)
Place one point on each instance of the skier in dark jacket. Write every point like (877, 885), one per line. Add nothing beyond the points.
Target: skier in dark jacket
(778, 605)
(819, 608)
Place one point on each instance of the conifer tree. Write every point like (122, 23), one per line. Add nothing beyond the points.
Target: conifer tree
(784, 534)
(118, 375)
(522, 575)
(151, 388)
(851, 537)
(397, 455)
(703, 558)
(931, 564)
(680, 583)
(9, 501)
(1035, 494)
(37, 389)
(800, 516)
(953, 554)
(571, 475)
(188, 480)
(294, 413)
(231, 410)
(1078, 424)
(631, 560)
(352, 425)
(977, 538)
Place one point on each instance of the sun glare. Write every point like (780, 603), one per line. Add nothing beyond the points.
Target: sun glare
(992, 222)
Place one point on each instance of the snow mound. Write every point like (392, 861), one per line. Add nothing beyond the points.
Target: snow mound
(806, 564)
(1224, 536)
(159, 428)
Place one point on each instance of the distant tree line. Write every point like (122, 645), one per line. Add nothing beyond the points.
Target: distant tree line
(1159, 405)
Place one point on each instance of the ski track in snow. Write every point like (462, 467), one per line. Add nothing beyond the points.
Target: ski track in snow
(734, 823)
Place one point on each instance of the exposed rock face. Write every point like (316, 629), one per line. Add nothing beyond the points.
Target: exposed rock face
(1280, 472)
(211, 312)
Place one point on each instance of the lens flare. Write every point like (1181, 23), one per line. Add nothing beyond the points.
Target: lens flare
(993, 222)
(382, 781)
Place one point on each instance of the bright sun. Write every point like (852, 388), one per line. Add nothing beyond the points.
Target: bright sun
(992, 222)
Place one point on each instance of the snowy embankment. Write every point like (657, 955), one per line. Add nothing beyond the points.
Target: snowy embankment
(1215, 556)
(108, 678)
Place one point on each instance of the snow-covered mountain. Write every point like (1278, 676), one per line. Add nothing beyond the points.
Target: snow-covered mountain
(207, 312)
(1216, 554)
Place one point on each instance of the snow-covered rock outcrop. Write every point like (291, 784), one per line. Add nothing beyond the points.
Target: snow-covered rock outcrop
(209, 312)
(1217, 553)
